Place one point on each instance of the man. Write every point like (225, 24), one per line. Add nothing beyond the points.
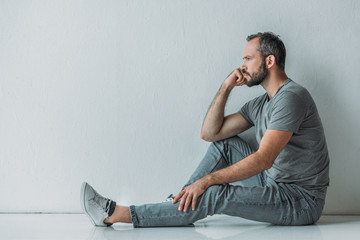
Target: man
(287, 175)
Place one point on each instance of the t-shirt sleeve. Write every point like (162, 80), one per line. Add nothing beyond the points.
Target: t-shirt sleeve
(246, 112)
(288, 113)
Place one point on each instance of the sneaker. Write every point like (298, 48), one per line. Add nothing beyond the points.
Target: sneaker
(95, 206)
(169, 198)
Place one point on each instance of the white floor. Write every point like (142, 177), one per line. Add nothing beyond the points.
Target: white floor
(77, 226)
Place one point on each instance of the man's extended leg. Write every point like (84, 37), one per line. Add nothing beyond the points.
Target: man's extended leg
(282, 204)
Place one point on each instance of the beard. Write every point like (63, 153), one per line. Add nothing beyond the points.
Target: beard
(257, 77)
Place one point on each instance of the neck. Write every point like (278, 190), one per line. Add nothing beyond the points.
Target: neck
(274, 82)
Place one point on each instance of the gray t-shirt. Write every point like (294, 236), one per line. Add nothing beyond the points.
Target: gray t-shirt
(304, 161)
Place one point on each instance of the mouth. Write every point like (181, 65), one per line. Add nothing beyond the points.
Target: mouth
(245, 74)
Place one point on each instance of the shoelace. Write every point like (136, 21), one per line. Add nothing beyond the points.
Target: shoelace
(169, 198)
(99, 200)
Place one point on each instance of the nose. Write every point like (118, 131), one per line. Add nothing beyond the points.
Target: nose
(243, 67)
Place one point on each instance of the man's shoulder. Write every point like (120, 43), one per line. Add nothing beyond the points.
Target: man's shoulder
(296, 91)
(259, 99)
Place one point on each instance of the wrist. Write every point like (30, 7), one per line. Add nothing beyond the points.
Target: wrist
(208, 180)
(227, 87)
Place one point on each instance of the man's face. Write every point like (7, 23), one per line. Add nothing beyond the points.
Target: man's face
(254, 67)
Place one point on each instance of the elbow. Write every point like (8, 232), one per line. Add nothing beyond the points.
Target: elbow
(268, 165)
(265, 162)
(206, 137)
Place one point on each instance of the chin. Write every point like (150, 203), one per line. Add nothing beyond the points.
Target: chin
(254, 83)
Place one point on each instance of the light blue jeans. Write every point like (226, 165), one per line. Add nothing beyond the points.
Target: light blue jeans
(258, 198)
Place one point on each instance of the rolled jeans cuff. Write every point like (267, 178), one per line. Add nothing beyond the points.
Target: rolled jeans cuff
(134, 219)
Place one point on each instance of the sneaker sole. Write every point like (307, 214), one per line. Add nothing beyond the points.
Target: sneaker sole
(82, 202)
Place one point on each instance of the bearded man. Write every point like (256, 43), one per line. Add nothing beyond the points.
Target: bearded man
(287, 175)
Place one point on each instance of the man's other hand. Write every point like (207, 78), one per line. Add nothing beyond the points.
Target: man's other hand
(190, 194)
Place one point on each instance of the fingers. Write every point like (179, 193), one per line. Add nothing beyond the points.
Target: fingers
(240, 77)
(176, 199)
(189, 195)
(194, 203)
(238, 73)
(187, 202)
(183, 201)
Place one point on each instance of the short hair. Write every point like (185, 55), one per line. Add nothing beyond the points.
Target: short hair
(270, 44)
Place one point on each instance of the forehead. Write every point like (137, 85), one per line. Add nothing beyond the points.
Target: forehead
(252, 48)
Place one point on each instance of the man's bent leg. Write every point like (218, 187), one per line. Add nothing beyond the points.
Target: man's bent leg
(278, 204)
(222, 154)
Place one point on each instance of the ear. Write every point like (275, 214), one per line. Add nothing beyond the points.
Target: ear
(270, 61)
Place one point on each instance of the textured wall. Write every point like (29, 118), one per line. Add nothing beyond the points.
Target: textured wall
(114, 92)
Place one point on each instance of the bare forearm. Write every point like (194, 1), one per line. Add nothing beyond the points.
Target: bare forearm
(215, 115)
(248, 167)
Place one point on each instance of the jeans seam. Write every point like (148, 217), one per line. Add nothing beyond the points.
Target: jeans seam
(212, 170)
(259, 203)
(182, 214)
(240, 152)
(222, 152)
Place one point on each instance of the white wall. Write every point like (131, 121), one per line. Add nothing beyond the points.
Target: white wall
(114, 92)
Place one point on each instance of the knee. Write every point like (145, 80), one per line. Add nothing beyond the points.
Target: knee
(234, 142)
(230, 140)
